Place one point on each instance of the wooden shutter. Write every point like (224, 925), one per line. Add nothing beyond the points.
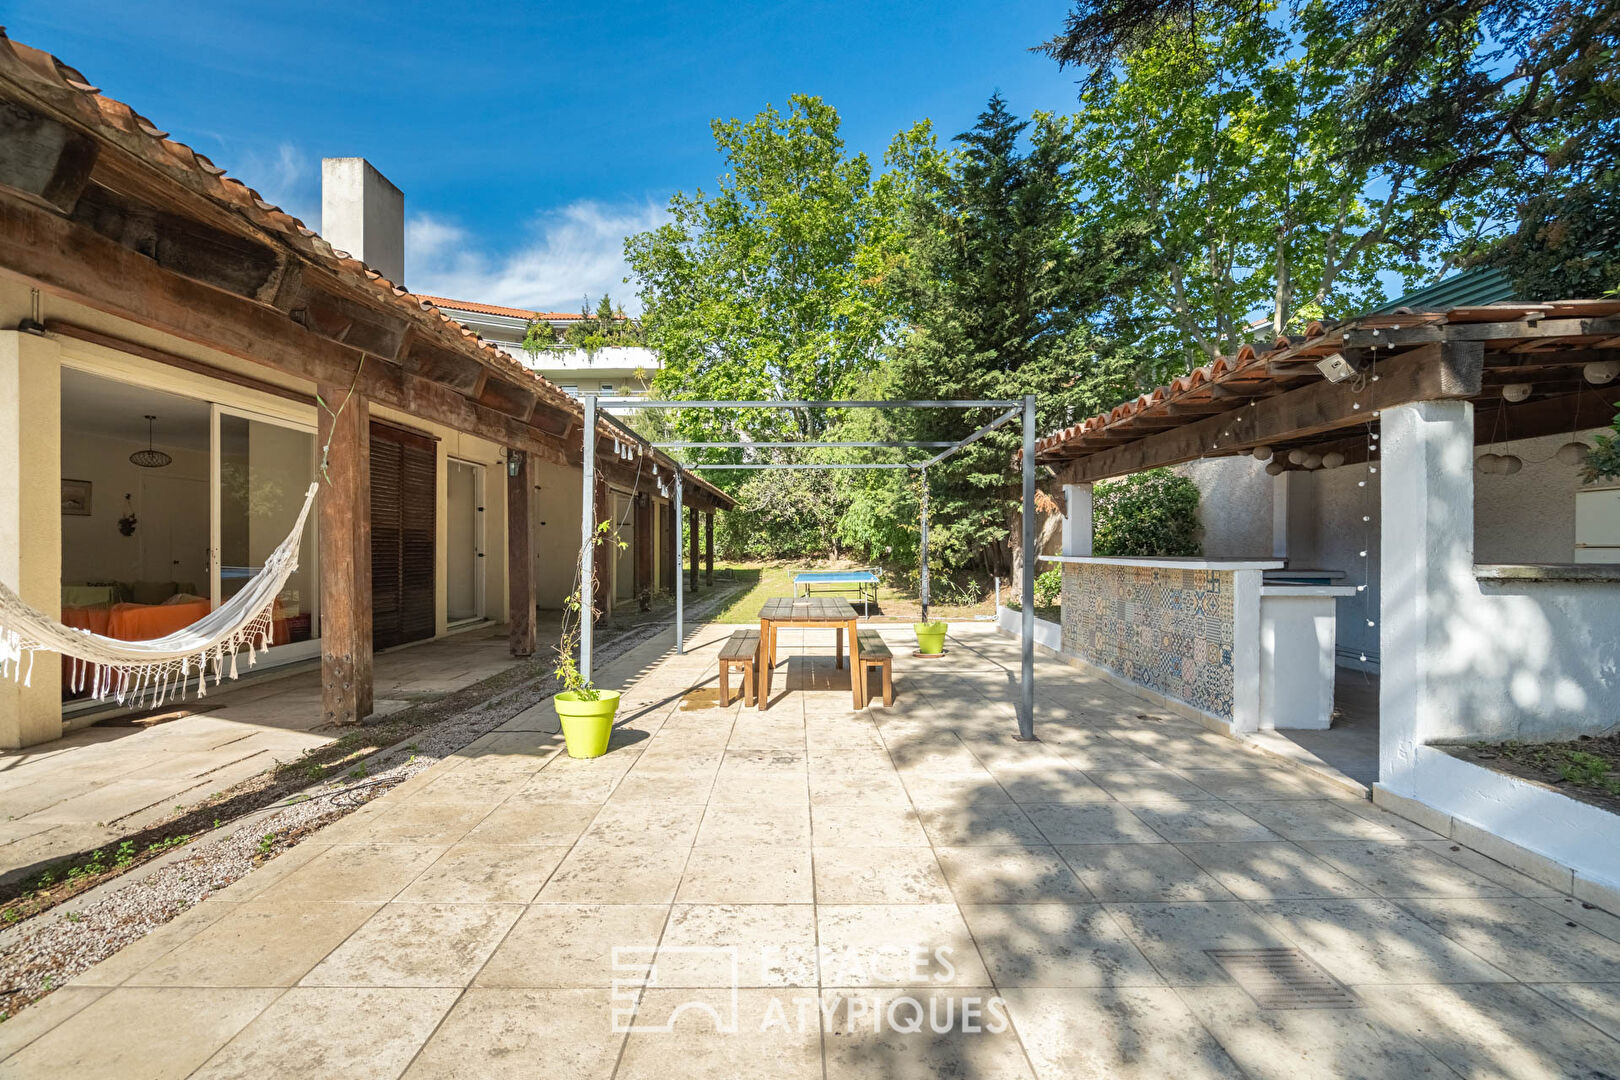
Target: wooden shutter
(403, 504)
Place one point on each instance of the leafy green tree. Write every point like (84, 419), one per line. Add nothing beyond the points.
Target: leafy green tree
(777, 285)
(1227, 133)
(604, 327)
(1000, 286)
(1504, 113)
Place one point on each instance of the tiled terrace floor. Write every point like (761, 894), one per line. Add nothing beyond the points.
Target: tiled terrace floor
(98, 783)
(464, 924)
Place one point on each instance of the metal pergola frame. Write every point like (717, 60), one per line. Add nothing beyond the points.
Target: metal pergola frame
(1023, 408)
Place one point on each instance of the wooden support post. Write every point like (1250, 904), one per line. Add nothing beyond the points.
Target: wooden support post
(708, 547)
(604, 553)
(344, 513)
(519, 553)
(644, 545)
(697, 553)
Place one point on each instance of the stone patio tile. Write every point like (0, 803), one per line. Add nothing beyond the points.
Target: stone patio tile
(571, 945)
(1317, 819)
(1402, 870)
(146, 950)
(1588, 915)
(364, 1033)
(726, 824)
(935, 757)
(1596, 1003)
(879, 875)
(938, 791)
(749, 945)
(484, 786)
(257, 944)
(1054, 785)
(759, 1047)
(759, 789)
(1253, 785)
(1024, 874)
(417, 945)
(757, 874)
(1272, 870)
(870, 789)
(356, 872)
(541, 824)
(43, 1015)
(475, 873)
(410, 822)
(847, 732)
(607, 872)
(689, 788)
(1142, 872)
(896, 945)
(986, 825)
(1488, 868)
(558, 783)
(672, 825)
(1174, 937)
(522, 1034)
(862, 1042)
(1056, 945)
(1099, 823)
(1534, 942)
(1147, 786)
(866, 826)
(1115, 1033)
(139, 1033)
(1496, 1031)
(1099, 752)
(1208, 822)
(1295, 1044)
(1375, 941)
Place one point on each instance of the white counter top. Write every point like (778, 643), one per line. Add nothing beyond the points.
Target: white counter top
(1307, 590)
(1169, 563)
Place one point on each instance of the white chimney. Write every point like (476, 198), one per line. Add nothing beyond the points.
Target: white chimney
(363, 214)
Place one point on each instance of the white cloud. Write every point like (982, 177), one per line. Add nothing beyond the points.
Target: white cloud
(285, 177)
(570, 252)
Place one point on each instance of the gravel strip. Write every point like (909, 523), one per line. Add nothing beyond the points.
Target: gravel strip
(41, 954)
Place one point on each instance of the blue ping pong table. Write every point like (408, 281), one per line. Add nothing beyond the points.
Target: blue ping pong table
(863, 582)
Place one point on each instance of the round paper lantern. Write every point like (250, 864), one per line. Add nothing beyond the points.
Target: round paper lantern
(1487, 463)
(1516, 391)
(1573, 453)
(1333, 460)
(1313, 461)
(1297, 456)
(1509, 464)
(1275, 468)
(1262, 453)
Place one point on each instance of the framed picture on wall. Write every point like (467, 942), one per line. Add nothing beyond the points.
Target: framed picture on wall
(76, 498)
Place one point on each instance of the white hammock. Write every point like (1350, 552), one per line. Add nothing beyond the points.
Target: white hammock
(133, 671)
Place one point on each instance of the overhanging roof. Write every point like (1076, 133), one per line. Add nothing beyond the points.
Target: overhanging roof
(1276, 396)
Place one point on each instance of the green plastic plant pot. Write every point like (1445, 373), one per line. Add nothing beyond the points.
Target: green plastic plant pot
(586, 725)
(930, 636)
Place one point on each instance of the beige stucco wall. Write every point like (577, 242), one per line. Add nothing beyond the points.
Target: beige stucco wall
(30, 467)
(31, 523)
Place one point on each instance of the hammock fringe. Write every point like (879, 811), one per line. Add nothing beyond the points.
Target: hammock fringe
(151, 672)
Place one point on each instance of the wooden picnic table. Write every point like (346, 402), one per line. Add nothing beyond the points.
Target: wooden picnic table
(825, 612)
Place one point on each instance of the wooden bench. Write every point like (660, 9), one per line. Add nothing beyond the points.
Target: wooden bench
(741, 650)
(875, 654)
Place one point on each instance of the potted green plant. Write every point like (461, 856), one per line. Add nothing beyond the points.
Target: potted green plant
(930, 636)
(585, 712)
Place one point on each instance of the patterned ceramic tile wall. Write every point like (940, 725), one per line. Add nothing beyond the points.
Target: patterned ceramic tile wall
(1168, 630)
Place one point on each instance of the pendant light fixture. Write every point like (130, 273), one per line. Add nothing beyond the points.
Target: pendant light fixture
(149, 458)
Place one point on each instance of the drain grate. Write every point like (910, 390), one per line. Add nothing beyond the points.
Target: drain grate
(1283, 979)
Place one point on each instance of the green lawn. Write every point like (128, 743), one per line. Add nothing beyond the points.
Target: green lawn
(767, 580)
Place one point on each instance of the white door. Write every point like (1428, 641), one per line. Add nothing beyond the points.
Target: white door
(1597, 526)
(464, 542)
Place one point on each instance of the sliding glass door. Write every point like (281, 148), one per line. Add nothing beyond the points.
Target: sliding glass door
(261, 469)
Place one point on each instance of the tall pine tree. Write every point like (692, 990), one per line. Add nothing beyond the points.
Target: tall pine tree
(1002, 291)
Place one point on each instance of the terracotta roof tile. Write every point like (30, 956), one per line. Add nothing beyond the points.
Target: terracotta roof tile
(497, 309)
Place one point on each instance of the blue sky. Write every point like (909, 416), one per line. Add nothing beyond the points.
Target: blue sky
(530, 138)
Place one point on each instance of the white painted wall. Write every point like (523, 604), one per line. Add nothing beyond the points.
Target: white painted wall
(1234, 506)
(364, 214)
(557, 514)
(1528, 517)
(1472, 659)
(92, 547)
